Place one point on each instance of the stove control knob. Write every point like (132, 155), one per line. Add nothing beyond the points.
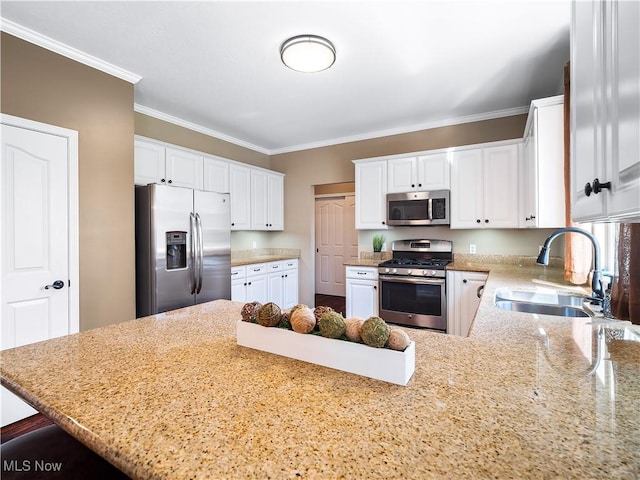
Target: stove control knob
(394, 270)
(433, 273)
(386, 270)
(425, 272)
(409, 272)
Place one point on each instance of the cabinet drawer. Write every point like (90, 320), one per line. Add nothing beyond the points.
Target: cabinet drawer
(238, 272)
(368, 273)
(290, 264)
(256, 269)
(275, 267)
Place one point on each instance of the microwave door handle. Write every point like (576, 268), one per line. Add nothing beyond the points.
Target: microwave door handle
(430, 209)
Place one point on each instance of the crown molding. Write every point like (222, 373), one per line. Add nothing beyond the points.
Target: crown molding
(402, 130)
(198, 128)
(43, 41)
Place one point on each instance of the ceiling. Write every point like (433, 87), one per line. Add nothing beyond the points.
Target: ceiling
(401, 65)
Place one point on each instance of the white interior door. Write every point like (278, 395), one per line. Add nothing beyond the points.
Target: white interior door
(36, 303)
(336, 242)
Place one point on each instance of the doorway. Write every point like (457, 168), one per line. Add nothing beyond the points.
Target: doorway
(336, 242)
(39, 262)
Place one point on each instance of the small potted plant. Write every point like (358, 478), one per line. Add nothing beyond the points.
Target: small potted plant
(378, 240)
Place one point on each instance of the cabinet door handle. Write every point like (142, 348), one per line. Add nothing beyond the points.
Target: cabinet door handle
(597, 186)
(162, 180)
(170, 181)
(464, 280)
(375, 287)
(478, 220)
(486, 220)
(479, 291)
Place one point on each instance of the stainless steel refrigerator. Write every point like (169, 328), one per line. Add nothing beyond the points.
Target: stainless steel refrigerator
(183, 248)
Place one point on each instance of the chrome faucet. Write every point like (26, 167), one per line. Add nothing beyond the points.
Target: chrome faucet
(596, 278)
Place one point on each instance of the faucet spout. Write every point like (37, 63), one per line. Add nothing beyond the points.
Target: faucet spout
(597, 287)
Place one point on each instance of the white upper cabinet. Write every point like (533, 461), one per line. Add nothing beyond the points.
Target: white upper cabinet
(484, 187)
(240, 196)
(216, 175)
(157, 163)
(184, 169)
(371, 194)
(149, 163)
(605, 111)
(421, 173)
(257, 194)
(266, 200)
(542, 166)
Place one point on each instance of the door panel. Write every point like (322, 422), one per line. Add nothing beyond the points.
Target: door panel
(35, 229)
(171, 209)
(214, 212)
(330, 246)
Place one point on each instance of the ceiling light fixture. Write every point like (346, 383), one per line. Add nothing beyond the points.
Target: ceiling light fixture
(308, 53)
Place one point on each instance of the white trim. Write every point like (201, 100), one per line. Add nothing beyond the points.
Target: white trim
(58, 47)
(197, 128)
(407, 129)
(336, 141)
(497, 143)
(541, 102)
(74, 251)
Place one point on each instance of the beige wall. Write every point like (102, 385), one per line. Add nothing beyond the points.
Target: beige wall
(167, 132)
(43, 86)
(333, 164)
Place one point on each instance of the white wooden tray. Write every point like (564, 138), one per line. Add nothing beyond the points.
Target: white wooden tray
(378, 363)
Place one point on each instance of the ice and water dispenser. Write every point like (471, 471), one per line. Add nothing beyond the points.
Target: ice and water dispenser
(176, 250)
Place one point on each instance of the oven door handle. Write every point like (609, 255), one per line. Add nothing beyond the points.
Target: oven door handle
(420, 280)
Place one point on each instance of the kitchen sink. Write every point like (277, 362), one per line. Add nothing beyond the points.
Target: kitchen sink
(547, 302)
(541, 308)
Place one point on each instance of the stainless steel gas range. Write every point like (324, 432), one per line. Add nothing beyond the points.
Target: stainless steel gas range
(412, 284)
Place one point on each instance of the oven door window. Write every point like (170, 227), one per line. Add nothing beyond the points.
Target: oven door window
(408, 210)
(420, 298)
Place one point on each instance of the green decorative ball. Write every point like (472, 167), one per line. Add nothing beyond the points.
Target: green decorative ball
(332, 325)
(375, 332)
(269, 315)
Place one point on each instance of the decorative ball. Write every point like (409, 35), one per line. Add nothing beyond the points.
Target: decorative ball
(375, 332)
(249, 311)
(398, 339)
(319, 311)
(354, 329)
(332, 325)
(269, 315)
(300, 305)
(303, 320)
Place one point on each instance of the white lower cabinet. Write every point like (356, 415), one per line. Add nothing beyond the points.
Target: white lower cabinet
(253, 286)
(464, 290)
(362, 292)
(275, 282)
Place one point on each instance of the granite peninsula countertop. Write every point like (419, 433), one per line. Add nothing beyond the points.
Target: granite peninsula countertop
(172, 396)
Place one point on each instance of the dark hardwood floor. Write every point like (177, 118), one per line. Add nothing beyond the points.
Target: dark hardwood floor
(335, 302)
(21, 427)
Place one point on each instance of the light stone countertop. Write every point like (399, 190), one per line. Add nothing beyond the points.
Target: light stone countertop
(172, 396)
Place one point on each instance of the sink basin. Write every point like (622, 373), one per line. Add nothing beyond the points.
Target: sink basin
(545, 302)
(541, 308)
(546, 297)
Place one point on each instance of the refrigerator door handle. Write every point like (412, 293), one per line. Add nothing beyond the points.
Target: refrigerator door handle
(200, 252)
(194, 234)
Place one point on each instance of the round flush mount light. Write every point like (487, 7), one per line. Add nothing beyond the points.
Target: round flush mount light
(308, 53)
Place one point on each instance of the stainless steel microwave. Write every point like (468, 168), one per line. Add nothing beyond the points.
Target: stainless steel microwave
(418, 208)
